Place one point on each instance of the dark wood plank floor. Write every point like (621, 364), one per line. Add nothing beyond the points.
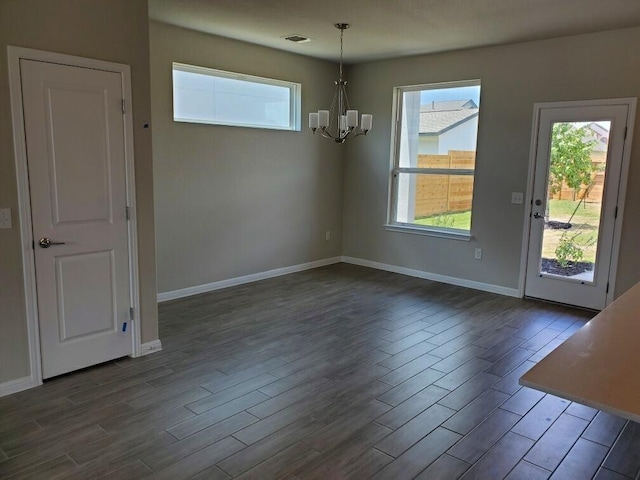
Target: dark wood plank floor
(335, 373)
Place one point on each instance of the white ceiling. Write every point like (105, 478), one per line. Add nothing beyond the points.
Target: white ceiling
(393, 28)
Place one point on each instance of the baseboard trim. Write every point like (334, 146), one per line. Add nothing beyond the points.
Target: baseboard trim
(150, 347)
(461, 282)
(254, 277)
(17, 385)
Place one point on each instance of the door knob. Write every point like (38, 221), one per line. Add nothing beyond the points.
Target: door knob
(46, 242)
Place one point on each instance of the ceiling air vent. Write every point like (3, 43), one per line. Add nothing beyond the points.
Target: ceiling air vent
(297, 38)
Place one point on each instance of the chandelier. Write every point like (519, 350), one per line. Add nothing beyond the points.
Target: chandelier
(340, 122)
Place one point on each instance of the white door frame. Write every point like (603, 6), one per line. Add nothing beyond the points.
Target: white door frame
(15, 54)
(622, 189)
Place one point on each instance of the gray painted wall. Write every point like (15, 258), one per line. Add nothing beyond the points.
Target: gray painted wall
(514, 77)
(112, 30)
(232, 201)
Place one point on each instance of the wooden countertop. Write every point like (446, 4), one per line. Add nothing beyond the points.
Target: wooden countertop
(599, 365)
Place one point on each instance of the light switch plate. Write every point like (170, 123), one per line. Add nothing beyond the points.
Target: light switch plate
(5, 218)
(517, 198)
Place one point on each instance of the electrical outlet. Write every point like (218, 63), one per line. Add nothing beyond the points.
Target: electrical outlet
(517, 198)
(327, 235)
(478, 254)
(5, 218)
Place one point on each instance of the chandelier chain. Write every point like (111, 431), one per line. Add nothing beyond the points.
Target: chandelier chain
(341, 50)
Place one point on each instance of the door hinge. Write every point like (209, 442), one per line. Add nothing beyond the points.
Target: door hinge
(615, 213)
(625, 132)
(127, 212)
(130, 313)
(124, 106)
(607, 288)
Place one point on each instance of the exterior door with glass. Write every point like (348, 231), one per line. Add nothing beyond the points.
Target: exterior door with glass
(578, 165)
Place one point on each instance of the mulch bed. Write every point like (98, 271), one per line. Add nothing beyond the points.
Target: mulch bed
(553, 267)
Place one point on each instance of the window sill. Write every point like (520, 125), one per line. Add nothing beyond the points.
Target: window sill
(465, 237)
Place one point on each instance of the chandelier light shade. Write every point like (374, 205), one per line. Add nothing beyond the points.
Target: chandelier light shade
(340, 122)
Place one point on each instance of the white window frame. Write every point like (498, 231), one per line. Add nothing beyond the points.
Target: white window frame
(295, 95)
(395, 170)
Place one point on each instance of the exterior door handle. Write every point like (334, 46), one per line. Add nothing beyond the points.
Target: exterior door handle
(46, 242)
(537, 215)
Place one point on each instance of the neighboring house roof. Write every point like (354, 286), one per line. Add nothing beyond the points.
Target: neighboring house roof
(448, 105)
(600, 135)
(439, 117)
(599, 130)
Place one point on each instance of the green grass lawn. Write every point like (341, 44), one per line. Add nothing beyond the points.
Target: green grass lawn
(585, 223)
(460, 220)
(587, 213)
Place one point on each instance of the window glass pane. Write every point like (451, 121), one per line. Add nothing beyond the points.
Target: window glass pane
(574, 199)
(438, 130)
(217, 97)
(442, 201)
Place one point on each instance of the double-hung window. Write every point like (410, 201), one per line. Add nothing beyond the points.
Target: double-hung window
(205, 95)
(435, 137)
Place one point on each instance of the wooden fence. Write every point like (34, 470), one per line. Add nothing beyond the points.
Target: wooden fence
(437, 194)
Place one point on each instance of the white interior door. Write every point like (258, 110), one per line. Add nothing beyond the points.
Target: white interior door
(572, 226)
(77, 180)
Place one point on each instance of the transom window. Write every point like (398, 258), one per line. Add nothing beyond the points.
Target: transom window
(434, 157)
(205, 95)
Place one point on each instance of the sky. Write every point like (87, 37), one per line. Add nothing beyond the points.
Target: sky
(456, 93)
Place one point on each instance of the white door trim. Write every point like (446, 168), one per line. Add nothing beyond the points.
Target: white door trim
(24, 201)
(622, 190)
